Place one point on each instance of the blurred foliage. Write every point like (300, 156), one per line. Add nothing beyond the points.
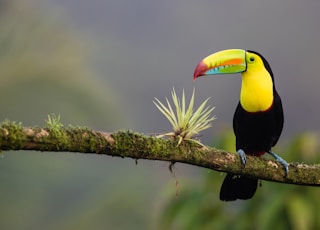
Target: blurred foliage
(275, 206)
(45, 67)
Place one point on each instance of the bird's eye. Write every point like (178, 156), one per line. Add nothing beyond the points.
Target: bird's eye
(252, 59)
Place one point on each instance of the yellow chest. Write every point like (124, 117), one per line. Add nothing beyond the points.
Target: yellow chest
(256, 91)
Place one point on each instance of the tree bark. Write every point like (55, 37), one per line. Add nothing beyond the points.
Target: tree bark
(138, 146)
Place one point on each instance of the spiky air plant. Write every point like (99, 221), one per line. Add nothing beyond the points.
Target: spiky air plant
(186, 123)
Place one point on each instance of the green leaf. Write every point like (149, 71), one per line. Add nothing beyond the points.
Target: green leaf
(185, 122)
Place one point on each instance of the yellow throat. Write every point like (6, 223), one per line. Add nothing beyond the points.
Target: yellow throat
(256, 90)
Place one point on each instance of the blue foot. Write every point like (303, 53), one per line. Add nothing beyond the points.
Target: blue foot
(242, 155)
(281, 161)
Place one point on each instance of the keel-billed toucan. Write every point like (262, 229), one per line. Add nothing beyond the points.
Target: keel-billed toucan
(258, 119)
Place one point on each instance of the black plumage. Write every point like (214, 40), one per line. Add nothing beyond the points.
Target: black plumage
(256, 133)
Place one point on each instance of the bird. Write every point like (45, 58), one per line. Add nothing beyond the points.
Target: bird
(258, 118)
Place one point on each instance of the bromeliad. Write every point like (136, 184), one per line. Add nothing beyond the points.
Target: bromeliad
(186, 123)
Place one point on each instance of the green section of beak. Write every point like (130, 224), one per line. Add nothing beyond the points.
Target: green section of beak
(222, 62)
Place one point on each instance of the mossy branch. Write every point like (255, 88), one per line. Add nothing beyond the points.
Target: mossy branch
(137, 146)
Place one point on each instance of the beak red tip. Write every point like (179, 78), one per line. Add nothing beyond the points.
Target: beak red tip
(200, 70)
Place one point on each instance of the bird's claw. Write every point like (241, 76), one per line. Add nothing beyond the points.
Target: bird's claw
(281, 161)
(274, 155)
(242, 155)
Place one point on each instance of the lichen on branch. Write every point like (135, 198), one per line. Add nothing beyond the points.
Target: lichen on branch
(13, 136)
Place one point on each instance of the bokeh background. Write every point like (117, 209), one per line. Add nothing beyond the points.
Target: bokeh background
(101, 63)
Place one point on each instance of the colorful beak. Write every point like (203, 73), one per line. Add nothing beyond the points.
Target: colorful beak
(222, 62)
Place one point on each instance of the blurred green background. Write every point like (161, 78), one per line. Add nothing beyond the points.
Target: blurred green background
(101, 63)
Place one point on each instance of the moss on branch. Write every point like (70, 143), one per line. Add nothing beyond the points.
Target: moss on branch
(14, 136)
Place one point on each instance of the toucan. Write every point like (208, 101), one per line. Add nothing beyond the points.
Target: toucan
(258, 119)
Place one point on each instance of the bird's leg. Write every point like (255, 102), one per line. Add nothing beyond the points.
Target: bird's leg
(242, 155)
(281, 161)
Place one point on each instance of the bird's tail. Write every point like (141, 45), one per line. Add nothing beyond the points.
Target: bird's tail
(237, 187)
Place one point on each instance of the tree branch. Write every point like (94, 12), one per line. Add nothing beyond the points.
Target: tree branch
(137, 146)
